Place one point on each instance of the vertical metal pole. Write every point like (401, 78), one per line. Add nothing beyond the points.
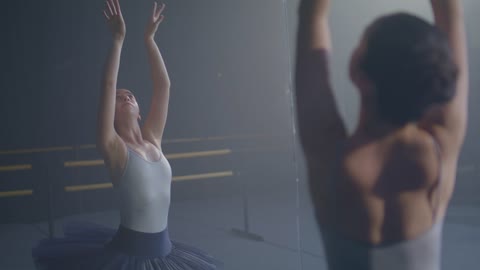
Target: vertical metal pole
(294, 132)
(50, 214)
(245, 207)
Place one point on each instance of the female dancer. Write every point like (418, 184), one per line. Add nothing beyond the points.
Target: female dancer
(381, 201)
(139, 171)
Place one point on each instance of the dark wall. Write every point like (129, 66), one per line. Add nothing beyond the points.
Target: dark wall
(227, 64)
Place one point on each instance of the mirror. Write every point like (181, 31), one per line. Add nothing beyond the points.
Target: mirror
(228, 137)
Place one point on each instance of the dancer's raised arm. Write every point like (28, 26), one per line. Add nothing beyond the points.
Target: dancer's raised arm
(319, 121)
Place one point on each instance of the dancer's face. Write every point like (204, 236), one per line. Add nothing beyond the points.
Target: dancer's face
(126, 105)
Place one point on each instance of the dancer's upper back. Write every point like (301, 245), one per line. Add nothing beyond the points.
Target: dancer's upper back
(144, 190)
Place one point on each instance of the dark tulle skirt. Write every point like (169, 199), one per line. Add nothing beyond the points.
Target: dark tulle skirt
(88, 246)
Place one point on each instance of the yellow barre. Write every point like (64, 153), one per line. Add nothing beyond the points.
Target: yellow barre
(202, 176)
(84, 163)
(199, 154)
(176, 178)
(16, 193)
(19, 167)
(88, 187)
(36, 150)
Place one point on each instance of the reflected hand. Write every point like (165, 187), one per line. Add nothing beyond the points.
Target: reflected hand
(154, 20)
(113, 13)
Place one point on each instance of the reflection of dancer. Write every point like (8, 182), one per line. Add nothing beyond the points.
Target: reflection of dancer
(382, 201)
(139, 172)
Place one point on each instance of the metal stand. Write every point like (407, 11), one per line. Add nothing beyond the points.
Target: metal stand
(245, 232)
(51, 222)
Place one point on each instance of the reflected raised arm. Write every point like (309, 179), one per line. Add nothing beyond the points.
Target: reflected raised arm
(157, 116)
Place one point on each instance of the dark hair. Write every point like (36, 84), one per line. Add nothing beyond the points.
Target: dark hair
(411, 64)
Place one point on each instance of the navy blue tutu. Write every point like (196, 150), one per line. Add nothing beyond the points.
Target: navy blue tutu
(88, 246)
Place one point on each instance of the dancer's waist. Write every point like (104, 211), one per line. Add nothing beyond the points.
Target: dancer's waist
(140, 243)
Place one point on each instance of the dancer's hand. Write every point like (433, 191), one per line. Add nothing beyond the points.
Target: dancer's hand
(315, 8)
(154, 21)
(113, 13)
(322, 7)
